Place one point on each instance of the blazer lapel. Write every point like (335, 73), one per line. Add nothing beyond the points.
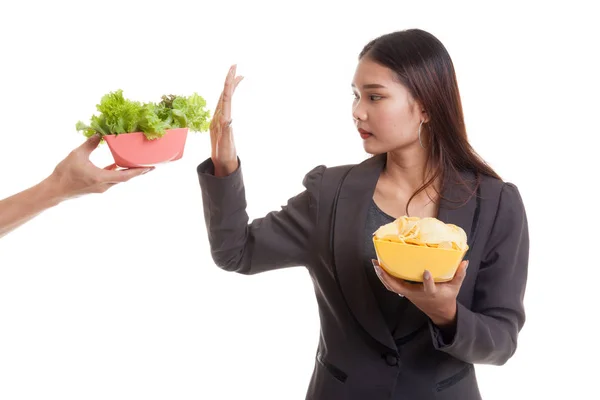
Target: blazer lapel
(350, 218)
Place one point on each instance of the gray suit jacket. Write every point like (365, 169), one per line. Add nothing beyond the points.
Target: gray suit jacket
(322, 229)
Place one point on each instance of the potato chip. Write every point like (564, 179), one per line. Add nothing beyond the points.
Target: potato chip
(388, 230)
(429, 232)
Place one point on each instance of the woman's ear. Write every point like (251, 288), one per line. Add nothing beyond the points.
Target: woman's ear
(418, 108)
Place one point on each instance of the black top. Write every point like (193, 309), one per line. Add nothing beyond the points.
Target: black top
(389, 303)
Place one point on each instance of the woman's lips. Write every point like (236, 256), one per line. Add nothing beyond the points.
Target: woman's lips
(364, 134)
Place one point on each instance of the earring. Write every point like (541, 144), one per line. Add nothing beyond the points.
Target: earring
(420, 142)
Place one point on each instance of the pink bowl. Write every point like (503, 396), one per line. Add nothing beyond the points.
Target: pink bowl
(131, 150)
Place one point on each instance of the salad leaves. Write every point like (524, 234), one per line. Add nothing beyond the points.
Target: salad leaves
(119, 115)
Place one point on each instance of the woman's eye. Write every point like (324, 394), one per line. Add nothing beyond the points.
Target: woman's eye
(372, 97)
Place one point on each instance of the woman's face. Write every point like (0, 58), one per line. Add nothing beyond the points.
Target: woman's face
(385, 114)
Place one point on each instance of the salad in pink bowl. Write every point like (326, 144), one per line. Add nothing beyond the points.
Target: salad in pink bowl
(145, 134)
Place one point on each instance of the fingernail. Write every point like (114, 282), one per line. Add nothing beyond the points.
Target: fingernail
(467, 266)
(426, 275)
(377, 270)
(147, 170)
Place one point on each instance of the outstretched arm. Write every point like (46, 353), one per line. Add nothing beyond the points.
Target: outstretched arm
(74, 176)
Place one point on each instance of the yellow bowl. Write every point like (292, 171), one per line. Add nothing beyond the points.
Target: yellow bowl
(408, 261)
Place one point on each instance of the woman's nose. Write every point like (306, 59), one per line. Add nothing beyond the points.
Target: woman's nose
(358, 113)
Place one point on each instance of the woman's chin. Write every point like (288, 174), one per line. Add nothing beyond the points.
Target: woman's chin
(372, 148)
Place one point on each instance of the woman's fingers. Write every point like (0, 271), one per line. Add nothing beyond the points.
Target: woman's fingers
(389, 282)
(231, 83)
(227, 94)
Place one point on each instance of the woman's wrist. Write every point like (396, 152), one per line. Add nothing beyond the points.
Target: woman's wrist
(225, 168)
(445, 318)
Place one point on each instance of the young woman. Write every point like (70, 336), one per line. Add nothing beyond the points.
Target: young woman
(385, 338)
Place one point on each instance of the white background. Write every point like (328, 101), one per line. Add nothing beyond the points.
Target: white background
(116, 295)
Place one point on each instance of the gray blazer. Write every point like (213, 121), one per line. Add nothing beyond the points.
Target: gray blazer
(322, 229)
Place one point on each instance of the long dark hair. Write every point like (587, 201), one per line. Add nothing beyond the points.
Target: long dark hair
(422, 64)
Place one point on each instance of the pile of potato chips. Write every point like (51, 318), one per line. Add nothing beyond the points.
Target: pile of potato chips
(430, 232)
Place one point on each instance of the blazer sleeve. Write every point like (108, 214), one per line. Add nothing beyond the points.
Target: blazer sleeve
(487, 333)
(278, 240)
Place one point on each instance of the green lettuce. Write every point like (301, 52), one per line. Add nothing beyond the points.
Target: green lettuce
(119, 115)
